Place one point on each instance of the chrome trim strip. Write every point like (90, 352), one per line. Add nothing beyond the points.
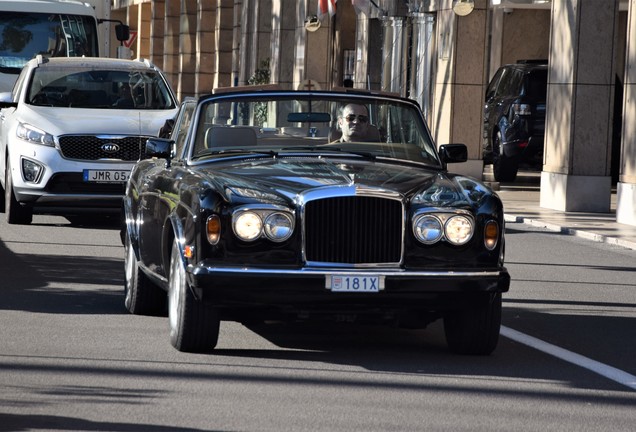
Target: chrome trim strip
(330, 271)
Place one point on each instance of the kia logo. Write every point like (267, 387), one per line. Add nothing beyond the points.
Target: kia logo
(110, 148)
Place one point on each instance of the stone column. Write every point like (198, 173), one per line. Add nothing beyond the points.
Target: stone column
(459, 91)
(157, 32)
(256, 21)
(223, 44)
(282, 42)
(318, 50)
(576, 171)
(142, 49)
(300, 46)
(207, 27)
(187, 49)
(171, 41)
(626, 187)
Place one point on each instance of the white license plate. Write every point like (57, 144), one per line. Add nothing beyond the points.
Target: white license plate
(355, 283)
(106, 176)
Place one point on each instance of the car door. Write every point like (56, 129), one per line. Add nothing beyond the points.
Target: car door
(159, 193)
(490, 105)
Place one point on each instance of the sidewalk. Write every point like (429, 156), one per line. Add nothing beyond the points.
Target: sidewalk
(521, 205)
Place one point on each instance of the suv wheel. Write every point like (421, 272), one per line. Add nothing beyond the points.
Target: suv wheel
(504, 168)
(17, 213)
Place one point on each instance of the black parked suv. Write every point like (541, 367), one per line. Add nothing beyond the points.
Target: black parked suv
(514, 118)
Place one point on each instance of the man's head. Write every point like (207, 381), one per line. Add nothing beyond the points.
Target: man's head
(354, 122)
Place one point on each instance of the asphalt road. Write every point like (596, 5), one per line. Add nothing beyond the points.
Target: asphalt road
(73, 359)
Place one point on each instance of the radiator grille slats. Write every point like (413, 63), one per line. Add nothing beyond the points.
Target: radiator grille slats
(353, 230)
(91, 147)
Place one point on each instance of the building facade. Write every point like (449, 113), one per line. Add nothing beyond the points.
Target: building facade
(429, 51)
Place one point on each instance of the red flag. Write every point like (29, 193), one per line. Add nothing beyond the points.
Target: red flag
(326, 6)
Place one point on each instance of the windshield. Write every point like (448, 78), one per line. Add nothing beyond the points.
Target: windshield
(98, 88)
(25, 35)
(363, 126)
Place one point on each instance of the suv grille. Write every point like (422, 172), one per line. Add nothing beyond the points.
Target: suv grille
(90, 147)
(354, 230)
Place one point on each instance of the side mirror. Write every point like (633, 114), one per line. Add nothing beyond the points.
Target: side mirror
(159, 148)
(6, 100)
(453, 153)
(122, 32)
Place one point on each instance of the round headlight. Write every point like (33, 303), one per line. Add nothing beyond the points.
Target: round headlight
(278, 226)
(248, 226)
(427, 229)
(458, 230)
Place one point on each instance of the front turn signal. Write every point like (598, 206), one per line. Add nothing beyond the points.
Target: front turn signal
(213, 229)
(491, 235)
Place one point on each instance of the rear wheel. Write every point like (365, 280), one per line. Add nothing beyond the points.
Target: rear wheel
(475, 331)
(504, 167)
(16, 213)
(142, 296)
(194, 325)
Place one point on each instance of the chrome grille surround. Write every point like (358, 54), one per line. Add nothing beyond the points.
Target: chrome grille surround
(352, 227)
(102, 147)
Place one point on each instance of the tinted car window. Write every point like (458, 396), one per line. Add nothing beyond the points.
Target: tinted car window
(537, 85)
(90, 88)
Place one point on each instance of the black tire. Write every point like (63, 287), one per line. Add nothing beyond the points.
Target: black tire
(504, 168)
(475, 331)
(16, 213)
(194, 325)
(142, 297)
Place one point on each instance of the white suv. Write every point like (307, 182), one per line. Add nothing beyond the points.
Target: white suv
(71, 130)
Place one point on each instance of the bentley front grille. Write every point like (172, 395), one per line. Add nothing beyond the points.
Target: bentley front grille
(90, 147)
(353, 230)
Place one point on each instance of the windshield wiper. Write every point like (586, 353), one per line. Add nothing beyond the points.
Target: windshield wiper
(237, 151)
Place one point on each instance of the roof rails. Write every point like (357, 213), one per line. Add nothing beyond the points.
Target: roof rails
(40, 59)
(533, 61)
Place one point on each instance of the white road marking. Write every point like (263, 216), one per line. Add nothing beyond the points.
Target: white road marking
(613, 374)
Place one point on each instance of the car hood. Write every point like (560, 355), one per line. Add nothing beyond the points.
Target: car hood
(66, 121)
(286, 180)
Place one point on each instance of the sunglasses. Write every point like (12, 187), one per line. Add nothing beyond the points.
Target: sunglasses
(361, 118)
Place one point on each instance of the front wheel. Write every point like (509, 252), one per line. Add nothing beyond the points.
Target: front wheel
(194, 325)
(142, 297)
(16, 213)
(475, 331)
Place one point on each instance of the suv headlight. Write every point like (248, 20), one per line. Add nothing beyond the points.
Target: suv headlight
(34, 135)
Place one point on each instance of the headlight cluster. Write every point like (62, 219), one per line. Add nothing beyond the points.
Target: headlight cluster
(275, 225)
(34, 135)
(455, 228)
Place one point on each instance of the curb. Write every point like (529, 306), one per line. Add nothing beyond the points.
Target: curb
(600, 238)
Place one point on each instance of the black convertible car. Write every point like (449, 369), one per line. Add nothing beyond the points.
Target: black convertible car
(268, 204)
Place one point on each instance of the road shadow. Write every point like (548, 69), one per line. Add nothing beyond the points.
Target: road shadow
(61, 283)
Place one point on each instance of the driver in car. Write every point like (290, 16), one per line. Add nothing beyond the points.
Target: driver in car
(353, 122)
